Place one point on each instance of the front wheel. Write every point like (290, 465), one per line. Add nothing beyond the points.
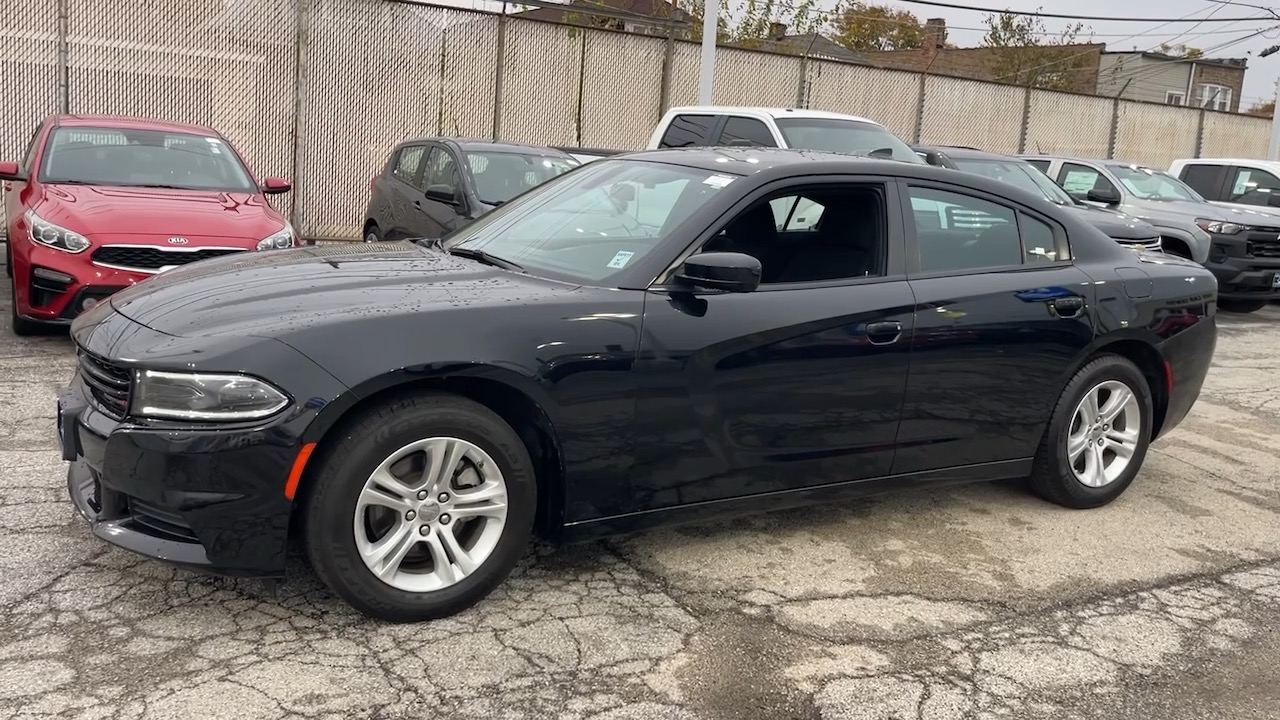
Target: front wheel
(421, 509)
(1097, 437)
(1241, 306)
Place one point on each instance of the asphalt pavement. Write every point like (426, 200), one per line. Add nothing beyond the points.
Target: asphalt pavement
(961, 603)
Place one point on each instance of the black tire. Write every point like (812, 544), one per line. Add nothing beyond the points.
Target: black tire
(372, 234)
(1052, 477)
(330, 503)
(21, 326)
(1240, 306)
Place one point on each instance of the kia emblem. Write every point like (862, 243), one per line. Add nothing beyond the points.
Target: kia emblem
(177, 241)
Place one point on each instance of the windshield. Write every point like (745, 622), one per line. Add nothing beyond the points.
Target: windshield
(594, 222)
(501, 176)
(143, 158)
(844, 136)
(1017, 173)
(1151, 184)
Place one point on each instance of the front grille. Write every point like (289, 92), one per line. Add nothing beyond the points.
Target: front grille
(1150, 244)
(108, 384)
(160, 522)
(150, 259)
(1267, 246)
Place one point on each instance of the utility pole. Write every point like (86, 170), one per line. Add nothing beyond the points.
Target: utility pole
(1273, 149)
(707, 75)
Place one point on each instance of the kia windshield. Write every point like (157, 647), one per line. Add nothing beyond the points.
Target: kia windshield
(1151, 184)
(131, 157)
(592, 223)
(500, 176)
(1016, 173)
(845, 136)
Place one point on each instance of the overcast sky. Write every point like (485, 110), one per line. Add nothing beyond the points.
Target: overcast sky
(1217, 39)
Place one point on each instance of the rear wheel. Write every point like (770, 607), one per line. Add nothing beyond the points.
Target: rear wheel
(1241, 306)
(1098, 435)
(421, 509)
(372, 234)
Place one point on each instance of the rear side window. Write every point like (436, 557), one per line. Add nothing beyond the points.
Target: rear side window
(746, 131)
(959, 232)
(409, 163)
(687, 131)
(1204, 179)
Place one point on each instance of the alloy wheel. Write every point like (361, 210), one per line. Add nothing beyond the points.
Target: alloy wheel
(1104, 433)
(430, 514)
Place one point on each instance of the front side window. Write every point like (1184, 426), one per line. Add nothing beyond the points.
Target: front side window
(845, 136)
(128, 157)
(815, 234)
(1080, 180)
(595, 222)
(441, 169)
(500, 176)
(687, 131)
(746, 131)
(957, 232)
(1150, 184)
(1255, 187)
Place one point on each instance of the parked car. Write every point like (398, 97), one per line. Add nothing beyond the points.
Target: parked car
(795, 128)
(1127, 230)
(1237, 183)
(1217, 237)
(632, 343)
(433, 186)
(99, 203)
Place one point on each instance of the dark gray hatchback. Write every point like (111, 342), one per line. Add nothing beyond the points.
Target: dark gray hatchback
(432, 186)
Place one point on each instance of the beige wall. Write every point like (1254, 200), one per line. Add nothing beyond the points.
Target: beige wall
(1134, 77)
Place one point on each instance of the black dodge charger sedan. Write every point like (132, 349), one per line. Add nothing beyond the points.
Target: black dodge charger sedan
(666, 336)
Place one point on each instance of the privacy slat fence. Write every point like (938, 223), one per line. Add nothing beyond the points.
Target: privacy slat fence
(319, 90)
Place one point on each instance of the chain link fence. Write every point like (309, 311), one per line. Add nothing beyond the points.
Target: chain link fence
(320, 90)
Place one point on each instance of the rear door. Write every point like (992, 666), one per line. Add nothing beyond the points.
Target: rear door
(402, 189)
(1001, 317)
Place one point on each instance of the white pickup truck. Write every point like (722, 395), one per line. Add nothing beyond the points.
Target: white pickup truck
(718, 125)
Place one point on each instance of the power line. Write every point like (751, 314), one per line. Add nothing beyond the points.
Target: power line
(1101, 18)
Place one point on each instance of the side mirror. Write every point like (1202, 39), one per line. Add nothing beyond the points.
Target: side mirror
(1103, 195)
(275, 186)
(729, 271)
(442, 193)
(11, 171)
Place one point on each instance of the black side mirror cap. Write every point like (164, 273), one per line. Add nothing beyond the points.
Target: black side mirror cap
(726, 271)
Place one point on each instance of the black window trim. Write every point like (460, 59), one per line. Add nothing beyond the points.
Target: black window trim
(28, 159)
(913, 249)
(894, 237)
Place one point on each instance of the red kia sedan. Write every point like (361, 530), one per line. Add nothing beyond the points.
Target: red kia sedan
(100, 203)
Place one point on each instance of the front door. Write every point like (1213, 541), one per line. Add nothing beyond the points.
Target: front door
(1001, 319)
(795, 385)
(437, 217)
(404, 190)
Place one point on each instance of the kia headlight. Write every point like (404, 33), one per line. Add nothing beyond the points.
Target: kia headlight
(283, 238)
(199, 396)
(1218, 226)
(55, 236)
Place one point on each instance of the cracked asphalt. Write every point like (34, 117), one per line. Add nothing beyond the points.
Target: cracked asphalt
(960, 603)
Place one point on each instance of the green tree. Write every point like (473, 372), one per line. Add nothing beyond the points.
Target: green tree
(862, 26)
(1025, 53)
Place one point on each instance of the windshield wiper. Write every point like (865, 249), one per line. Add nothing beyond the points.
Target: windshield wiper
(485, 258)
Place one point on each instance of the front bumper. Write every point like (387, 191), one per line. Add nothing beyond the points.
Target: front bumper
(207, 500)
(1242, 275)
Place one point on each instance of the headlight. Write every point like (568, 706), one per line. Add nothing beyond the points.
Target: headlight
(284, 238)
(54, 236)
(196, 396)
(1218, 226)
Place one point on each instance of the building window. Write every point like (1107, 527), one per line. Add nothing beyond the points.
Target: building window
(1175, 98)
(1215, 97)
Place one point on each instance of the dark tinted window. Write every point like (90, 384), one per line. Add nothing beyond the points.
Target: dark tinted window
(1041, 165)
(687, 131)
(746, 131)
(1203, 179)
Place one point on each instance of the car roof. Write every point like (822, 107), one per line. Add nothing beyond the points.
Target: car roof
(964, 152)
(1228, 161)
(125, 122)
(775, 113)
(481, 145)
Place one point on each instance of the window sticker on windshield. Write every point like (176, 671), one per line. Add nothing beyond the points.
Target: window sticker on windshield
(215, 147)
(718, 181)
(620, 260)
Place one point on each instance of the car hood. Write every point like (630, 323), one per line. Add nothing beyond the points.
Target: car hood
(1160, 212)
(1251, 214)
(96, 210)
(285, 291)
(1115, 224)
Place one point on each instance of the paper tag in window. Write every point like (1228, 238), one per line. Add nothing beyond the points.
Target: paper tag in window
(718, 181)
(620, 260)
(215, 147)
